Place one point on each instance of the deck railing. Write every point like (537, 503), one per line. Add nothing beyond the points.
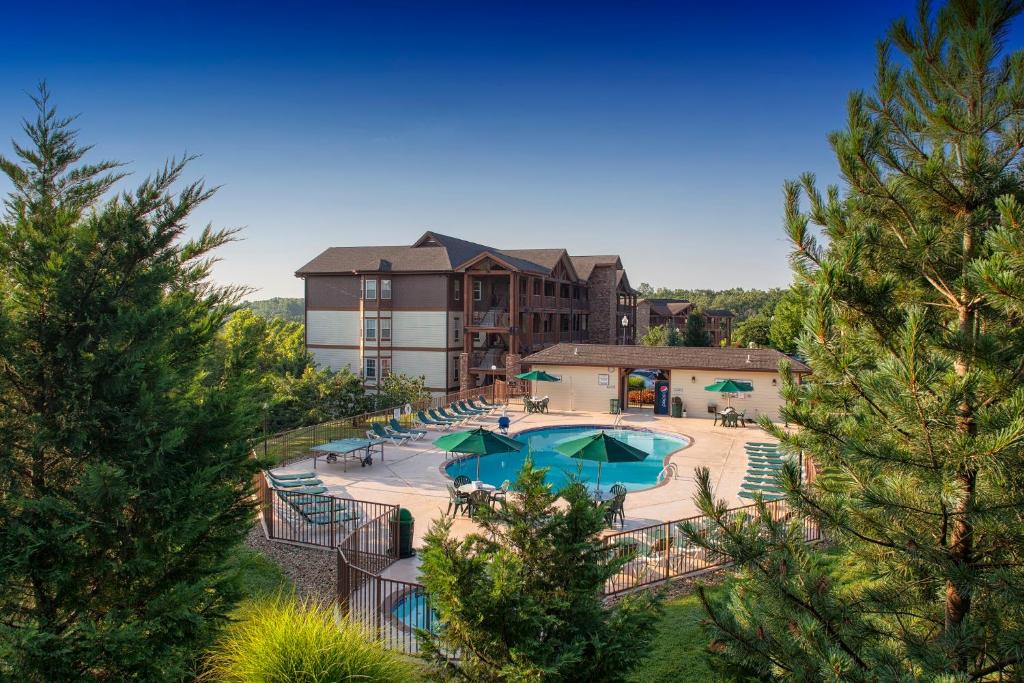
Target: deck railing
(390, 609)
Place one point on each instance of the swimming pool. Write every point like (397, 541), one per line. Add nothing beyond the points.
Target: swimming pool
(411, 610)
(494, 469)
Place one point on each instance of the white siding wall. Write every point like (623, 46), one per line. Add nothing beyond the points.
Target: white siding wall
(333, 327)
(429, 364)
(336, 359)
(763, 400)
(420, 328)
(579, 388)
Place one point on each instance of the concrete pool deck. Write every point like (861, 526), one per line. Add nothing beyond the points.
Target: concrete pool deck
(411, 475)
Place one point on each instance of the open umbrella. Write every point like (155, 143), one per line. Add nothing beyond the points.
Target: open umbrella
(729, 386)
(538, 376)
(478, 442)
(600, 448)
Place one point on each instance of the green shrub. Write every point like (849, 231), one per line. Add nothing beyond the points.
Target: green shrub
(635, 382)
(280, 640)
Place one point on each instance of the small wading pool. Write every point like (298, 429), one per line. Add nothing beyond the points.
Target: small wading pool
(411, 610)
(495, 469)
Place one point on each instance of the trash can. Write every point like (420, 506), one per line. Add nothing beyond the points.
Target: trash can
(405, 526)
(613, 406)
(677, 407)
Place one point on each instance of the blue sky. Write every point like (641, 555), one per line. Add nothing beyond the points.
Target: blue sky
(653, 130)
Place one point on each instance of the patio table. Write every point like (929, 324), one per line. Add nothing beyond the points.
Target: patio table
(601, 496)
(476, 486)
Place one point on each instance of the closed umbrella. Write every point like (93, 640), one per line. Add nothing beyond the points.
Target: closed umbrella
(729, 386)
(600, 448)
(478, 442)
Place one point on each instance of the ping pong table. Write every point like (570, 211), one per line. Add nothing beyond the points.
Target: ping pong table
(348, 449)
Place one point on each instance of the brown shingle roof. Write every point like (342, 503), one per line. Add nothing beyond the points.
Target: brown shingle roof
(585, 265)
(682, 357)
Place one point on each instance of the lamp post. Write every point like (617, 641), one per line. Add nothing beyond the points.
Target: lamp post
(625, 324)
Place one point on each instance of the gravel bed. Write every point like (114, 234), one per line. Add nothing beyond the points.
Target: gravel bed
(310, 570)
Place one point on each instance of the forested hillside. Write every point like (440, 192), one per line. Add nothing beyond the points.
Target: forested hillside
(278, 307)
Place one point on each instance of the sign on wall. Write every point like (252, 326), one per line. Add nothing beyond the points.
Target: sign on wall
(602, 379)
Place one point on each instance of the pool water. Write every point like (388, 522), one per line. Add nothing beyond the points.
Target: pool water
(411, 610)
(495, 469)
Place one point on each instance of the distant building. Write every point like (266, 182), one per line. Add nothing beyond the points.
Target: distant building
(672, 313)
(460, 314)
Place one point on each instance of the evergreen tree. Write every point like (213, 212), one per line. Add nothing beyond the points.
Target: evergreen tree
(522, 599)
(695, 333)
(915, 411)
(124, 465)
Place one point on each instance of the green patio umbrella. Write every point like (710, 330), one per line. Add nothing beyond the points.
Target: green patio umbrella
(600, 448)
(729, 386)
(478, 442)
(538, 376)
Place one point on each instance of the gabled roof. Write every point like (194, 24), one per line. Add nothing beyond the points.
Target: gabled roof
(668, 307)
(667, 357)
(719, 312)
(435, 252)
(585, 265)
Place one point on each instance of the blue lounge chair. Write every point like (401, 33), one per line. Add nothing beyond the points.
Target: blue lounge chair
(293, 475)
(469, 409)
(378, 433)
(441, 416)
(294, 483)
(422, 419)
(489, 404)
(448, 416)
(461, 412)
(397, 428)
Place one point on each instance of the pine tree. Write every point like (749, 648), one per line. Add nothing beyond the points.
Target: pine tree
(915, 411)
(124, 465)
(695, 332)
(522, 599)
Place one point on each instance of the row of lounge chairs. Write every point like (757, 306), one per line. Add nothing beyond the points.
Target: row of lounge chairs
(304, 493)
(763, 465)
(457, 413)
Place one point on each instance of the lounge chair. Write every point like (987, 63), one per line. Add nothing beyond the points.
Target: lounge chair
(397, 428)
(378, 433)
(422, 419)
(292, 475)
(472, 411)
(449, 416)
(309, 490)
(338, 517)
(748, 495)
(489, 404)
(294, 483)
(463, 412)
(483, 409)
(456, 500)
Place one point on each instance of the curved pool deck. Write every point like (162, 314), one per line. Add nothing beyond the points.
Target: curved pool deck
(411, 475)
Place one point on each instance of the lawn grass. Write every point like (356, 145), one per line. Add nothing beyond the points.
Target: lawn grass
(259, 577)
(679, 650)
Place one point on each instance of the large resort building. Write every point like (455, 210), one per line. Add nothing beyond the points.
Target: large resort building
(460, 314)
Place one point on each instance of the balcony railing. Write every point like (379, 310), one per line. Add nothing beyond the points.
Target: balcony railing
(492, 318)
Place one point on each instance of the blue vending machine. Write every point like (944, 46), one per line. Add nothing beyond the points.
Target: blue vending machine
(661, 397)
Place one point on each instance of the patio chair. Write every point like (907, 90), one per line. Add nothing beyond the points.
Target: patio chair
(456, 500)
(529, 406)
(543, 404)
(480, 498)
(397, 428)
(500, 494)
(378, 433)
(618, 490)
(616, 509)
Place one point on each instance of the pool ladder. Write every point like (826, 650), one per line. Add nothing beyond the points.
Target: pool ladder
(669, 471)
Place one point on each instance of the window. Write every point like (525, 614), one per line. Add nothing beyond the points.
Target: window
(536, 286)
(385, 289)
(385, 327)
(370, 368)
(456, 328)
(370, 329)
(478, 290)
(564, 323)
(385, 367)
(456, 290)
(455, 369)
(370, 289)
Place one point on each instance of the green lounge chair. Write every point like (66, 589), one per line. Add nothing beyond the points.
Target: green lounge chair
(422, 418)
(378, 433)
(747, 495)
(449, 416)
(466, 408)
(482, 409)
(339, 516)
(295, 483)
(293, 475)
(309, 490)
(485, 402)
(397, 427)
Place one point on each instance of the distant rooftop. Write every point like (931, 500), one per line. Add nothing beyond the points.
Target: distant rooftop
(681, 357)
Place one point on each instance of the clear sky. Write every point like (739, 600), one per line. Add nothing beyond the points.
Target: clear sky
(653, 130)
